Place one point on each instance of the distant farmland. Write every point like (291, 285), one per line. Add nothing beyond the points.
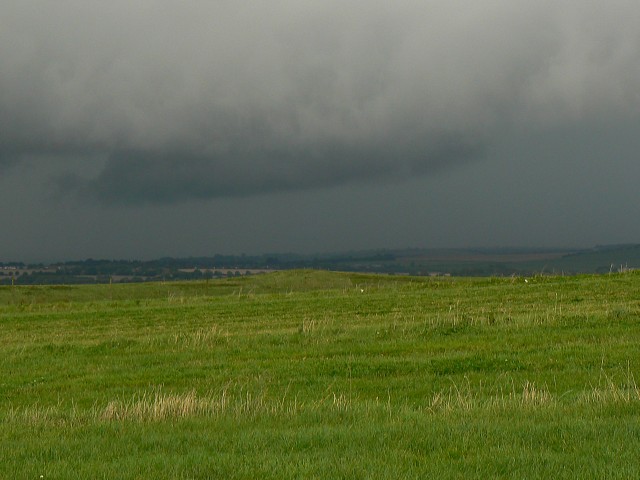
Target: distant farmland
(417, 262)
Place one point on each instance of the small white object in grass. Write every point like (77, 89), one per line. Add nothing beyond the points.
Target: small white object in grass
(362, 290)
(526, 281)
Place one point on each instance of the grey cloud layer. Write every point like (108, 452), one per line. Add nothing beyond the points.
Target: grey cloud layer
(209, 99)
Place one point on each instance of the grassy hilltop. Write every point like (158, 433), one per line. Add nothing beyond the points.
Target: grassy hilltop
(309, 374)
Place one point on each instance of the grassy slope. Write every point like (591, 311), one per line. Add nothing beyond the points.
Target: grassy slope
(322, 375)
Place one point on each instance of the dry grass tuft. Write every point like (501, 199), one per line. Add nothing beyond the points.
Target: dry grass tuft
(160, 407)
(610, 392)
(202, 337)
(534, 396)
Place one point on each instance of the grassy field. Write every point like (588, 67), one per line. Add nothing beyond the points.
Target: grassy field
(311, 374)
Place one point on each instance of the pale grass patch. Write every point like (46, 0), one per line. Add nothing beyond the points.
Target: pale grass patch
(161, 406)
(164, 406)
(457, 316)
(54, 415)
(173, 297)
(308, 325)
(158, 406)
(201, 337)
(315, 326)
(456, 397)
(533, 396)
(333, 400)
(609, 391)
(466, 398)
(341, 402)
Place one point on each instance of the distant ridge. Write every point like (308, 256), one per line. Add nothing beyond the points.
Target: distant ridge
(494, 261)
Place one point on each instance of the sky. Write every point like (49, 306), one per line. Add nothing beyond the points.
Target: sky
(153, 128)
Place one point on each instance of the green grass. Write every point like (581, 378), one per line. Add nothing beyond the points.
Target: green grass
(322, 375)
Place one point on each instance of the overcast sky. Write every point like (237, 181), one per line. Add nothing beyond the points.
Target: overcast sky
(163, 128)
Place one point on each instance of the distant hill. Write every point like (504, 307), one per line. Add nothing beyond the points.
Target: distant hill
(421, 262)
(522, 261)
(600, 259)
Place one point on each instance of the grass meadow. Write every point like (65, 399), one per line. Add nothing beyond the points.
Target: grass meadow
(312, 374)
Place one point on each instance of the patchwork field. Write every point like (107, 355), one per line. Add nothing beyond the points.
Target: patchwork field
(310, 374)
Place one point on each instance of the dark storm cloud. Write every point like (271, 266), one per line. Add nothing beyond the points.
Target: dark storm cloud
(200, 99)
(159, 177)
